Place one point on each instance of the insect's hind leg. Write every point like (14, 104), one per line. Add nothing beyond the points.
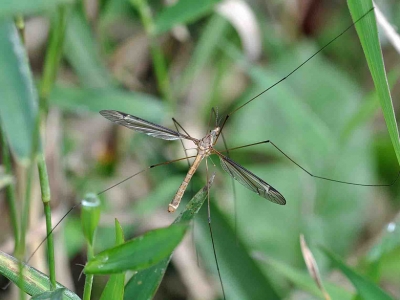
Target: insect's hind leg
(308, 172)
(211, 232)
(235, 204)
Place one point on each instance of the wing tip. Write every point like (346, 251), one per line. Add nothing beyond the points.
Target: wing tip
(278, 197)
(112, 115)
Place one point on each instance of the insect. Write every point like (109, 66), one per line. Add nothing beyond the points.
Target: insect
(205, 147)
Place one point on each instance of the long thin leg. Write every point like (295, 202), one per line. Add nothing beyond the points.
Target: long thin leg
(235, 201)
(295, 69)
(176, 123)
(101, 192)
(308, 172)
(177, 126)
(211, 233)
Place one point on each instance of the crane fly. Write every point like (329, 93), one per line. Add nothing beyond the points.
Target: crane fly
(205, 147)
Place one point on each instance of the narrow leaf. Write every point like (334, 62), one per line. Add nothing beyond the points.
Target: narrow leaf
(139, 253)
(115, 286)
(368, 34)
(34, 281)
(18, 97)
(365, 288)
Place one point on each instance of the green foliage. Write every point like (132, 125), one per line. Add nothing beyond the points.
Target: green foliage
(157, 61)
(137, 254)
(115, 285)
(90, 216)
(365, 288)
(18, 98)
(34, 282)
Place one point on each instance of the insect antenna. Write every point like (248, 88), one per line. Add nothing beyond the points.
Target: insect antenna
(295, 69)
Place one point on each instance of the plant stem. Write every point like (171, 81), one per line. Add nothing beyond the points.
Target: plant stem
(87, 291)
(51, 64)
(45, 191)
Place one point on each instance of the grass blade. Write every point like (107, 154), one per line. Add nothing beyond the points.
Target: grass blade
(34, 281)
(18, 98)
(366, 289)
(137, 254)
(368, 34)
(115, 286)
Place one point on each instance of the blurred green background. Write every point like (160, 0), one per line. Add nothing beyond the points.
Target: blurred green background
(181, 63)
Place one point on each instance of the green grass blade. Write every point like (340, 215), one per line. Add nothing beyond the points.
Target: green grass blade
(18, 97)
(137, 254)
(90, 216)
(115, 286)
(365, 288)
(144, 284)
(34, 281)
(368, 34)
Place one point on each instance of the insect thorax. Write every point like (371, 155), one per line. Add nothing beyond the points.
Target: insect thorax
(208, 141)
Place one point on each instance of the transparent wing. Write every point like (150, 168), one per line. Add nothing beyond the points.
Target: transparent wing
(251, 181)
(144, 126)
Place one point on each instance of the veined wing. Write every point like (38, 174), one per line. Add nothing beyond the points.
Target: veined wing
(144, 126)
(251, 181)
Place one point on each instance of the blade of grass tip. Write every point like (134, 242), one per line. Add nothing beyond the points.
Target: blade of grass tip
(34, 282)
(144, 284)
(90, 217)
(368, 34)
(312, 266)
